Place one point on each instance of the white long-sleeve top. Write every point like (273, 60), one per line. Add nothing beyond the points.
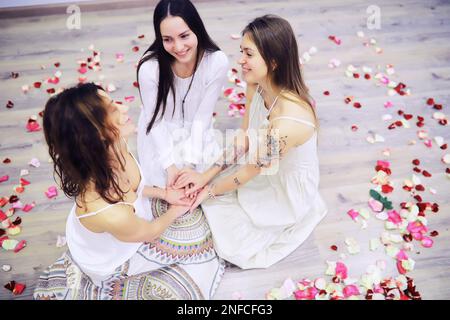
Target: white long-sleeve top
(173, 140)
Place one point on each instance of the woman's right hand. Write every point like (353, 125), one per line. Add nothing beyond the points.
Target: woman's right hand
(177, 197)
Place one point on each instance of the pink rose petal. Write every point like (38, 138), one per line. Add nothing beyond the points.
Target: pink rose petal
(353, 214)
(51, 192)
(427, 242)
(375, 205)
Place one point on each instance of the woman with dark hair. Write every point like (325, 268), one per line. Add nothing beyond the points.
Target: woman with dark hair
(125, 241)
(269, 205)
(180, 78)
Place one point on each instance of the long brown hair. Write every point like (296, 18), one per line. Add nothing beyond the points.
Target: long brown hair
(80, 139)
(275, 40)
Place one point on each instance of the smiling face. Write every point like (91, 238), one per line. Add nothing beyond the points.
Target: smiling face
(178, 39)
(117, 115)
(254, 68)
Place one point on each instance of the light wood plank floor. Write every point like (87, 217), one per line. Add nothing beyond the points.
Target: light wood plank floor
(414, 36)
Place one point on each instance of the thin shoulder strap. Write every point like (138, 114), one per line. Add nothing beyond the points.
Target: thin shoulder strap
(296, 119)
(90, 214)
(273, 105)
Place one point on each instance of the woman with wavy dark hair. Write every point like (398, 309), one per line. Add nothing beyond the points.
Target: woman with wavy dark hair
(180, 78)
(121, 233)
(262, 210)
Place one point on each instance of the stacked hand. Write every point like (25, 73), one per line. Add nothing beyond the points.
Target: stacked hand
(184, 187)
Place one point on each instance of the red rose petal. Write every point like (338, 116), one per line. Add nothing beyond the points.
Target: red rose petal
(327, 93)
(14, 75)
(421, 119)
(357, 105)
(443, 122)
(10, 285)
(18, 221)
(334, 247)
(418, 198)
(420, 187)
(407, 116)
(54, 80)
(367, 76)
(356, 75)
(57, 64)
(9, 104)
(141, 36)
(420, 124)
(13, 199)
(434, 233)
(444, 146)
(51, 90)
(391, 126)
(354, 128)
(416, 162)
(426, 173)
(348, 100)
(398, 123)
(430, 101)
(417, 170)
(386, 188)
(438, 106)
(37, 84)
(18, 288)
(24, 182)
(136, 84)
(400, 112)
(407, 237)
(7, 160)
(435, 207)
(135, 48)
(22, 244)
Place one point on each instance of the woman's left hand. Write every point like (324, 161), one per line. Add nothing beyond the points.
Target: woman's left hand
(201, 196)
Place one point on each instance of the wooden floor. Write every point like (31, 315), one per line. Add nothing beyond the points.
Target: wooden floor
(414, 36)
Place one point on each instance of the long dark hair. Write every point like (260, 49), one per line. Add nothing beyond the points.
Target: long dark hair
(80, 139)
(185, 10)
(275, 40)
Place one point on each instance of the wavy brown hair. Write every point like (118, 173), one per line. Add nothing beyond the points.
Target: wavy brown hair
(275, 40)
(82, 142)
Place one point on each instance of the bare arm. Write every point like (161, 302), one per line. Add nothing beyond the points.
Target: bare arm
(123, 224)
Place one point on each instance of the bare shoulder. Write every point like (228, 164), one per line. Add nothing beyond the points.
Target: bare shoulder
(292, 106)
(109, 216)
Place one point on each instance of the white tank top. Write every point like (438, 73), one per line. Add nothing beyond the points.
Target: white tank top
(99, 254)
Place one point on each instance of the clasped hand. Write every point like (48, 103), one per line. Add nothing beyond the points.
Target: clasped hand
(185, 187)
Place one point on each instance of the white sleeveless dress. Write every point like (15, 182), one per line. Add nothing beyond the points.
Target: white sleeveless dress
(271, 215)
(181, 264)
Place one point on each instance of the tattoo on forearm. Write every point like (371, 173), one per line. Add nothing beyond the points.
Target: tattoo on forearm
(236, 181)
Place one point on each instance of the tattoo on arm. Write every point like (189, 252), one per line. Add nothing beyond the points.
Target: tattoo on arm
(230, 156)
(274, 149)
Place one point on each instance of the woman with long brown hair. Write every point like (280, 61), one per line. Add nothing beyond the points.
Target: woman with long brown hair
(266, 201)
(119, 231)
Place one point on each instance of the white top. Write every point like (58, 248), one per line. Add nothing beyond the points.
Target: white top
(272, 214)
(99, 254)
(172, 140)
